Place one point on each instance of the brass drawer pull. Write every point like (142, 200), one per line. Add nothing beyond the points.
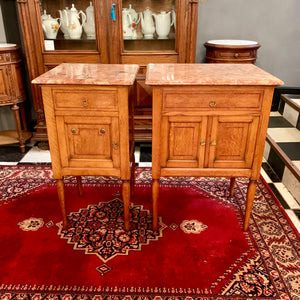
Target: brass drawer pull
(236, 55)
(115, 146)
(213, 143)
(102, 130)
(85, 103)
(73, 130)
(212, 104)
(202, 143)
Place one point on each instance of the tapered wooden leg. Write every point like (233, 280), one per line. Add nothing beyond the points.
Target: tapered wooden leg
(132, 176)
(79, 185)
(15, 109)
(61, 198)
(232, 182)
(155, 197)
(249, 202)
(126, 201)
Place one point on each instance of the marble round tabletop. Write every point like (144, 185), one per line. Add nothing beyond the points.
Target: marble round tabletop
(232, 42)
(7, 45)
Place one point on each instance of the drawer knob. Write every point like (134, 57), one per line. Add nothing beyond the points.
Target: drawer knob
(212, 103)
(213, 143)
(85, 103)
(115, 146)
(102, 130)
(73, 130)
(202, 143)
(236, 55)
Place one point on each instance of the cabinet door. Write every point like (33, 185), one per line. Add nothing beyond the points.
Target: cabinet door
(89, 142)
(4, 87)
(232, 141)
(183, 141)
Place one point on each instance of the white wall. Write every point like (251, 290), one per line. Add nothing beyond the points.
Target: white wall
(275, 24)
(2, 32)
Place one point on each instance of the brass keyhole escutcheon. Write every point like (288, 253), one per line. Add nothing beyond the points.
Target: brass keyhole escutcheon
(236, 55)
(102, 130)
(202, 143)
(213, 143)
(115, 146)
(73, 130)
(85, 103)
(212, 103)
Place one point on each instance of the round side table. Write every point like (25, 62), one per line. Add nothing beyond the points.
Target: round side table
(12, 93)
(231, 51)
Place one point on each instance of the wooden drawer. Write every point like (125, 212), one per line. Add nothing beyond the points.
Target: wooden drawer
(91, 99)
(209, 99)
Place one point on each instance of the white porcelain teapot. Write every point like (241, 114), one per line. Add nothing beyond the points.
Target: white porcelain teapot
(163, 24)
(89, 25)
(127, 24)
(147, 23)
(135, 19)
(74, 27)
(50, 27)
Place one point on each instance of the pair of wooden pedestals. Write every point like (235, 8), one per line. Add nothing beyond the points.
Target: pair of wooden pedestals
(208, 120)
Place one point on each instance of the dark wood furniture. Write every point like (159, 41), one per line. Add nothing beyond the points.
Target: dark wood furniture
(209, 120)
(88, 121)
(108, 46)
(12, 94)
(231, 51)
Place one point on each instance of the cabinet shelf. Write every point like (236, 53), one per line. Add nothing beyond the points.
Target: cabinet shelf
(149, 44)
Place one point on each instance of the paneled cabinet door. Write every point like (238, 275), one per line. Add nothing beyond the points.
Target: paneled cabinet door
(90, 142)
(4, 87)
(232, 141)
(184, 146)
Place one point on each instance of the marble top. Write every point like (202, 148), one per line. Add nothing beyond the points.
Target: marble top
(209, 74)
(232, 42)
(6, 45)
(89, 74)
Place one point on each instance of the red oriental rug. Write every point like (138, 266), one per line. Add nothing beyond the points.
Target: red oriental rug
(199, 252)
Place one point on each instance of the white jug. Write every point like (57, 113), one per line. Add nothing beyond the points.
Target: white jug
(126, 23)
(174, 18)
(50, 27)
(64, 22)
(44, 16)
(75, 28)
(147, 23)
(89, 26)
(163, 24)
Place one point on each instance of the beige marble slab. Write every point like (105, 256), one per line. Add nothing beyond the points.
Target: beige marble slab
(89, 74)
(209, 74)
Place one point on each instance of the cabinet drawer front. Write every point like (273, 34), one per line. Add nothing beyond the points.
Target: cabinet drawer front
(212, 100)
(85, 99)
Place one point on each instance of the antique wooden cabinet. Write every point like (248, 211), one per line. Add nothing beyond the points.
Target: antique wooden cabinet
(231, 51)
(12, 94)
(110, 42)
(209, 120)
(88, 121)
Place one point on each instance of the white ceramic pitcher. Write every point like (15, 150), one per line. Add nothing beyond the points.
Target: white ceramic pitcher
(147, 23)
(163, 24)
(64, 22)
(89, 25)
(126, 23)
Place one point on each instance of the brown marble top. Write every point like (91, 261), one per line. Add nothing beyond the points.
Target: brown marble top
(209, 74)
(89, 74)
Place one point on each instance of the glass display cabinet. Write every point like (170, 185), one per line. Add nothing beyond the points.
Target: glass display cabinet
(110, 31)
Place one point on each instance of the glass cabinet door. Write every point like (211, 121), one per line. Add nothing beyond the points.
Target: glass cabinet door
(149, 25)
(68, 24)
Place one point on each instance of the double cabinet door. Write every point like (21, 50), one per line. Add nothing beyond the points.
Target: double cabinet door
(222, 141)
